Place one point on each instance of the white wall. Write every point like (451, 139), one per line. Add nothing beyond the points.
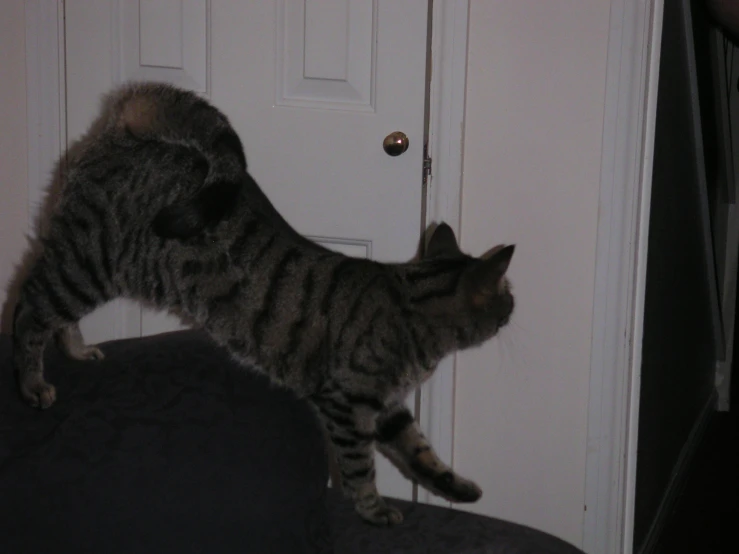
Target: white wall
(13, 143)
(535, 99)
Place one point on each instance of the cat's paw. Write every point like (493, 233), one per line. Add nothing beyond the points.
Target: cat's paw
(87, 353)
(70, 341)
(380, 514)
(38, 394)
(457, 489)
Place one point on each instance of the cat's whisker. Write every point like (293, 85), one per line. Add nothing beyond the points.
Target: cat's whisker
(510, 344)
(506, 347)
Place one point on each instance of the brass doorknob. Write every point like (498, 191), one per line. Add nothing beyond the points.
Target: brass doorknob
(395, 143)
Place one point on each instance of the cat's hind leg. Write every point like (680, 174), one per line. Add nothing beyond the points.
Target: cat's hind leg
(70, 341)
(56, 294)
(31, 332)
(401, 441)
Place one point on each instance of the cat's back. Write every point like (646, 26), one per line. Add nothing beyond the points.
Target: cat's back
(155, 138)
(160, 110)
(153, 111)
(357, 287)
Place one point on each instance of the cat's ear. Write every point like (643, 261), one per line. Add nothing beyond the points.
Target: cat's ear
(486, 279)
(494, 250)
(442, 243)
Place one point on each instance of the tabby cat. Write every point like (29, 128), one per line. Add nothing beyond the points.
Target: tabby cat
(157, 205)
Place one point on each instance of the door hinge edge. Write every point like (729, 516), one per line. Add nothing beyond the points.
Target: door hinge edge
(426, 164)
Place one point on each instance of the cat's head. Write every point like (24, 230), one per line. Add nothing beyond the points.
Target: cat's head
(472, 294)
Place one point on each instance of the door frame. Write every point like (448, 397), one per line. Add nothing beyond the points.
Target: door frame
(45, 92)
(447, 95)
(632, 76)
(625, 191)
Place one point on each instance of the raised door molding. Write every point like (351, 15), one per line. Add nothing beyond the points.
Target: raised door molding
(172, 41)
(326, 54)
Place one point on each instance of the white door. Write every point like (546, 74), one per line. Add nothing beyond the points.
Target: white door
(312, 88)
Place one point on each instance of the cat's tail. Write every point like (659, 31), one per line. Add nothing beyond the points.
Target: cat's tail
(217, 202)
(218, 198)
(188, 218)
(228, 188)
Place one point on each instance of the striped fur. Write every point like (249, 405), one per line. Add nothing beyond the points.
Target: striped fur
(158, 206)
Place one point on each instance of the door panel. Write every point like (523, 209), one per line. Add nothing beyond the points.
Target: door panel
(312, 88)
(324, 54)
(164, 40)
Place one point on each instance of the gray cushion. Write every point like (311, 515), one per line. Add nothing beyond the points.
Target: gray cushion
(165, 446)
(169, 446)
(435, 530)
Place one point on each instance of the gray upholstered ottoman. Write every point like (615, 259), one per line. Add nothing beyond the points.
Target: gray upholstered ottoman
(168, 446)
(435, 530)
(164, 446)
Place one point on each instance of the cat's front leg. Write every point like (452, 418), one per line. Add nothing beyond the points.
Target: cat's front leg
(401, 441)
(351, 430)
